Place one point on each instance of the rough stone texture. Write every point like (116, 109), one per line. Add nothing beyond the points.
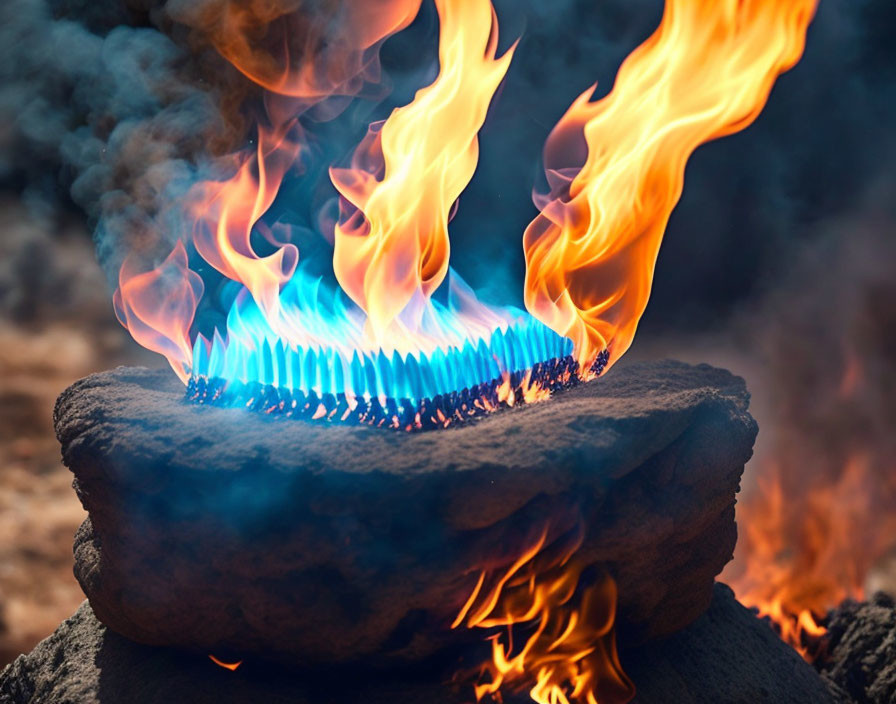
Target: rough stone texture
(727, 656)
(861, 651)
(221, 529)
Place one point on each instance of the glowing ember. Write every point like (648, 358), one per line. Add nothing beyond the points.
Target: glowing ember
(558, 638)
(232, 666)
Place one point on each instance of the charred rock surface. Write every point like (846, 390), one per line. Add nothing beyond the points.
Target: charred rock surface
(860, 660)
(225, 530)
(727, 656)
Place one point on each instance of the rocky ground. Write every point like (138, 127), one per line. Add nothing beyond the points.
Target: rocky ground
(727, 655)
(860, 659)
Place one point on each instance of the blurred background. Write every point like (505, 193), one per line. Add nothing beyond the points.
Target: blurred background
(778, 263)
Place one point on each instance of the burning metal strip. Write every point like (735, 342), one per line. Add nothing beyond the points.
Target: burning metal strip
(257, 354)
(410, 412)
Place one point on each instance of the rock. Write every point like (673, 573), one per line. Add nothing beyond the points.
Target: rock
(222, 530)
(861, 650)
(727, 656)
(83, 662)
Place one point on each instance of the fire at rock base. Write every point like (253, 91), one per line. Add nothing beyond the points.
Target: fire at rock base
(557, 627)
(726, 655)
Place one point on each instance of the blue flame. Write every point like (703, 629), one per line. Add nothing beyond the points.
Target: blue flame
(316, 343)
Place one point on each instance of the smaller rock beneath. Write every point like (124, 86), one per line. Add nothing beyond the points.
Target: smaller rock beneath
(861, 650)
(727, 656)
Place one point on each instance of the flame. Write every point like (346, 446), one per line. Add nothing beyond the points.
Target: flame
(816, 523)
(568, 653)
(225, 212)
(327, 63)
(158, 306)
(419, 160)
(803, 552)
(853, 374)
(391, 244)
(319, 347)
(705, 73)
(232, 666)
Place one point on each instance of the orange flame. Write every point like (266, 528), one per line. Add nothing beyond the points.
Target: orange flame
(799, 556)
(232, 666)
(158, 306)
(570, 653)
(391, 246)
(705, 73)
(327, 63)
(226, 211)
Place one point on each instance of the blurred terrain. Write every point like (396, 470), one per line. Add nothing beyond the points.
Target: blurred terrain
(57, 326)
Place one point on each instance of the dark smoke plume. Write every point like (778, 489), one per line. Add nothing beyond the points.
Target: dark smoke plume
(117, 107)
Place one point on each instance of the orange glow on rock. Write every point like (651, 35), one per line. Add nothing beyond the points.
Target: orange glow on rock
(616, 167)
(554, 629)
(391, 246)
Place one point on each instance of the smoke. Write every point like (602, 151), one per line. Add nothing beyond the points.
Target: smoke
(750, 200)
(46, 271)
(818, 351)
(120, 107)
(824, 338)
(117, 115)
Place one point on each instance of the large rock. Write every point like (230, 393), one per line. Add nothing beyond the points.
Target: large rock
(860, 656)
(223, 530)
(727, 656)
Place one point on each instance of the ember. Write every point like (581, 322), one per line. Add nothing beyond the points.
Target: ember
(232, 666)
